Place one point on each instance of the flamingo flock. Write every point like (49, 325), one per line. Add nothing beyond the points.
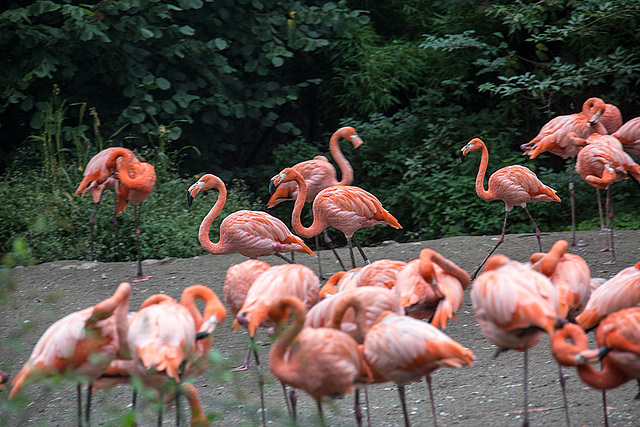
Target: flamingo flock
(382, 323)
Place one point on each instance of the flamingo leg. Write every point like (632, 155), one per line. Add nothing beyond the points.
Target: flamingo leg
(573, 205)
(404, 406)
(366, 402)
(433, 404)
(284, 258)
(245, 365)
(535, 227)
(178, 407)
(353, 260)
(114, 221)
(260, 381)
(498, 243)
(286, 399)
(609, 210)
(329, 243)
(318, 256)
(563, 385)
(604, 408)
(525, 423)
(160, 410)
(356, 408)
(320, 414)
(294, 402)
(87, 414)
(602, 224)
(140, 277)
(364, 257)
(79, 390)
(92, 220)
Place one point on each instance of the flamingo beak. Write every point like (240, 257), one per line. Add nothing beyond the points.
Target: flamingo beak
(189, 198)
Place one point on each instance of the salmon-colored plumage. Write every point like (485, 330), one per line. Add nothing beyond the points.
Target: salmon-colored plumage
(515, 185)
(346, 208)
(340, 281)
(250, 233)
(621, 291)
(432, 287)
(238, 280)
(629, 136)
(570, 275)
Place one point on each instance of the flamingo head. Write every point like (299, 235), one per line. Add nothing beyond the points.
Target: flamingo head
(474, 145)
(206, 182)
(287, 175)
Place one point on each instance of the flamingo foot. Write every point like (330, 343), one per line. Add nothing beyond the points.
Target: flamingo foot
(613, 261)
(607, 249)
(142, 278)
(242, 367)
(579, 245)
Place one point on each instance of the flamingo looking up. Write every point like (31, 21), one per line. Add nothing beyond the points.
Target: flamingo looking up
(346, 208)
(250, 233)
(84, 342)
(515, 185)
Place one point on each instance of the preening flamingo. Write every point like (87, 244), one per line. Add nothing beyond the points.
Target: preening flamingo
(600, 163)
(323, 362)
(619, 292)
(629, 136)
(319, 174)
(432, 287)
(346, 208)
(340, 281)
(381, 273)
(514, 305)
(515, 185)
(554, 137)
(84, 343)
(618, 338)
(402, 349)
(250, 233)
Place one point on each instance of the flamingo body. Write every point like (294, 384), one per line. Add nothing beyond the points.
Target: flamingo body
(629, 135)
(238, 280)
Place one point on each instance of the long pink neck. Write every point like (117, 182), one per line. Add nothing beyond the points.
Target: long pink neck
(213, 306)
(317, 226)
(123, 171)
(346, 171)
(606, 378)
(338, 313)
(285, 340)
(428, 257)
(117, 306)
(205, 227)
(484, 161)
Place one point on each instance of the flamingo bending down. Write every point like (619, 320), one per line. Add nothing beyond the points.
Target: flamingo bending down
(432, 287)
(346, 208)
(319, 174)
(595, 117)
(83, 342)
(250, 233)
(380, 273)
(515, 185)
(323, 362)
(514, 305)
(619, 292)
(618, 338)
(629, 136)
(402, 349)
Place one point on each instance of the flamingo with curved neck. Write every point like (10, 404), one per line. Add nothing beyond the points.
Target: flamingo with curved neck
(346, 208)
(515, 185)
(250, 233)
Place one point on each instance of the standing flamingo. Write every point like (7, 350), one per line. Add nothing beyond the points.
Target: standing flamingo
(346, 208)
(618, 338)
(319, 174)
(514, 305)
(515, 185)
(432, 287)
(402, 349)
(600, 163)
(323, 362)
(554, 137)
(621, 291)
(83, 342)
(273, 284)
(250, 233)
(98, 178)
(629, 136)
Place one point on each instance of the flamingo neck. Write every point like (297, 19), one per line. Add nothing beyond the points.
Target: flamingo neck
(302, 231)
(123, 171)
(205, 227)
(484, 161)
(428, 257)
(346, 171)
(280, 346)
(212, 307)
(346, 303)
(606, 378)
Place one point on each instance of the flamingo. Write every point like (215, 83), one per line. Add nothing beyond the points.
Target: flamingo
(515, 185)
(98, 178)
(600, 163)
(346, 208)
(402, 349)
(629, 136)
(381, 273)
(323, 362)
(432, 287)
(554, 137)
(319, 174)
(4, 378)
(273, 284)
(514, 305)
(83, 342)
(621, 291)
(250, 233)
(340, 281)
(618, 338)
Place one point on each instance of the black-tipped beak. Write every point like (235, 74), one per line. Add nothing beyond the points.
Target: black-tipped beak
(272, 187)
(189, 198)
(202, 335)
(462, 157)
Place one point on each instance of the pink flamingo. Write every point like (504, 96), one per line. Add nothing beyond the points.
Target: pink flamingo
(515, 185)
(618, 338)
(250, 233)
(554, 137)
(340, 281)
(600, 163)
(629, 136)
(322, 362)
(83, 342)
(432, 287)
(319, 174)
(402, 349)
(381, 273)
(346, 208)
(514, 305)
